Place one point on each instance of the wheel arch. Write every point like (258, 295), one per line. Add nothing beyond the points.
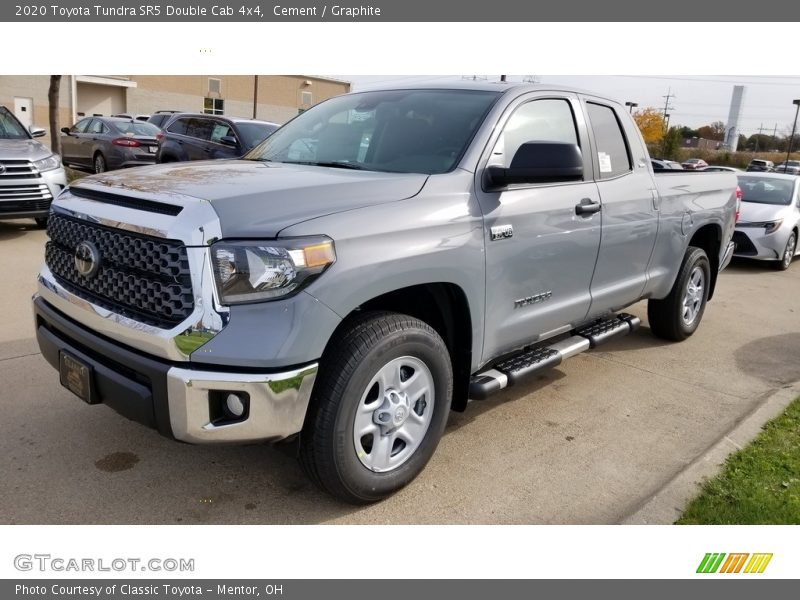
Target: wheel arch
(442, 305)
(709, 238)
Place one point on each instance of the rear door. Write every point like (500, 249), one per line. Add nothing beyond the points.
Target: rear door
(630, 201)
(198, 138)
(540, 254)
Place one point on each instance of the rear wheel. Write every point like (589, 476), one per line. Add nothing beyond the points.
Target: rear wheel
(788, 253)
(677, 316)
(100, 163)
(379, 408)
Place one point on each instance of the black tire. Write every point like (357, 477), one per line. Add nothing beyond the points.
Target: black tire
(327, 448)
(99, 163)
(666, 316)
(788, 253)
(41, 222)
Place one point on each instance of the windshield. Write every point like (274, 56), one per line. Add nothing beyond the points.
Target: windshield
(762, 190)
(254, 133)
(136, 128)
(10, 128)
(401, 131)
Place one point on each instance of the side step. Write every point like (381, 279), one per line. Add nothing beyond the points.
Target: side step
(511, 370)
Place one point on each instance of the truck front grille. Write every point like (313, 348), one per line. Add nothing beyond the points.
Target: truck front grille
(17, 169)
(140, 277)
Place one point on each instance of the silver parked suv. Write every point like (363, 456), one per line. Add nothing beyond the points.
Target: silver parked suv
(30, 175)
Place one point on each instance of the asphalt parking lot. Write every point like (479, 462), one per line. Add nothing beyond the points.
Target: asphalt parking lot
(590, 442)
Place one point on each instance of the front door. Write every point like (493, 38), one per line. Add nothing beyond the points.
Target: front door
(540, 254)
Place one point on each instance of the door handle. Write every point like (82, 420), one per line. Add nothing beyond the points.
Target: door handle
(587, 206)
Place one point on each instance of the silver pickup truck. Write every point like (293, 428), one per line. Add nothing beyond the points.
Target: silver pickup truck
(378, 261)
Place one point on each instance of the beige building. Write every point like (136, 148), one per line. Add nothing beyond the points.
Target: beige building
(275, 98)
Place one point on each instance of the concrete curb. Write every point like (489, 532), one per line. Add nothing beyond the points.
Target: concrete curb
(666, 505)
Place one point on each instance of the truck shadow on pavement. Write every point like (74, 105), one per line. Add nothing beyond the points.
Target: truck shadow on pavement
(14, 229)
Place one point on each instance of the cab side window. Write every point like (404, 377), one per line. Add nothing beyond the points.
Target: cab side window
(545, 120)
(612, 147)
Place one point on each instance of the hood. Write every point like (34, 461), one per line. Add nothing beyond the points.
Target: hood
(22, 150)
(753, 212)
(259, 199)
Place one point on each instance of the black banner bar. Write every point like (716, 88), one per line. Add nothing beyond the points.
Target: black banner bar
(730, 588)
(411, 11)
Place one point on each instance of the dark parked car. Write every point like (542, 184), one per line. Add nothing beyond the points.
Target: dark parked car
(160, 117)
(204, 137)
(758, 164)
(108, 143)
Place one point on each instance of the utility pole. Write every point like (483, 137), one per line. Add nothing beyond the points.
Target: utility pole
(255, 95)
(760, 129)
(794, 128)
(775, 137)
(667, 106)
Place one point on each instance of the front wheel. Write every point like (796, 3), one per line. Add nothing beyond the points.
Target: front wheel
(677, 316)
(41, 222)
(788, 253)
(379, 407)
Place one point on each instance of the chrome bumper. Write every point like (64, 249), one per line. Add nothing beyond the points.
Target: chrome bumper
(278, 403)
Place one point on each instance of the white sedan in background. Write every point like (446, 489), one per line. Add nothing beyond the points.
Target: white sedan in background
(769, 222)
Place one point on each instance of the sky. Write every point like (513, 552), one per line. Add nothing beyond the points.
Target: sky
(698, 100)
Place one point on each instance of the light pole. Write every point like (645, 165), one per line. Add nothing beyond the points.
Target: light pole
(631, 105)
(794, 128)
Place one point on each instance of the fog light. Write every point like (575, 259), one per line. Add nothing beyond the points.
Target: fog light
(226, 407)
(235, 405)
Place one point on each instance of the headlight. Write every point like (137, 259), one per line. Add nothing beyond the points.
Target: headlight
(256, 271)
(772, 226)
(48, 164)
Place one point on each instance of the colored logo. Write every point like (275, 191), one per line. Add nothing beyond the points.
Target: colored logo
(743, 562)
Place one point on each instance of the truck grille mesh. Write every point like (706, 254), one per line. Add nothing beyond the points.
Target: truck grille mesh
(144, 278)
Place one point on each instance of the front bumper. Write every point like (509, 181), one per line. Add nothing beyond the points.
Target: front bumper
(175, 398)
(752, 242)
(16, 204)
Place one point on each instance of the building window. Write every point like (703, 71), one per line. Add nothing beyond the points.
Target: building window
(214, 87)
(214, 106)
(306, 99)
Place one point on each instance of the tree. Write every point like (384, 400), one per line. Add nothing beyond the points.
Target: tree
(52, 99)
(714, 131)
(688, 132)
(651, 124)
(672, 143)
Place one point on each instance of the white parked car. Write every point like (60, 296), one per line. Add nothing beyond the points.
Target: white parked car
(769, 221)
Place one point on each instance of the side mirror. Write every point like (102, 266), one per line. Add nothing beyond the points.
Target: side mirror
(65, 130)
(540, 162)
(228, 140)
(37, 131)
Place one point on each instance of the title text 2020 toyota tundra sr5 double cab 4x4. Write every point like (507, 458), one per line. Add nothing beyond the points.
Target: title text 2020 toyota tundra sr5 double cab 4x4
(372, 265)
(30, 175)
